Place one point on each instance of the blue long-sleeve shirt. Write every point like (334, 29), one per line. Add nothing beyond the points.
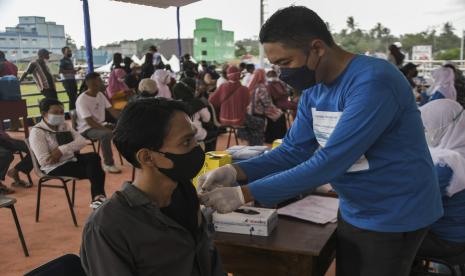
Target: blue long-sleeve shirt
(451, 227)
(363, 134)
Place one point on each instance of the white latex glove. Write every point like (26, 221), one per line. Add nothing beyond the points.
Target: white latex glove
(223, 200)
(224, 176)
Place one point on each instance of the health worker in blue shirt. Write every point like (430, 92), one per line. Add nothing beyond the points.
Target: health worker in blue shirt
(358, 128)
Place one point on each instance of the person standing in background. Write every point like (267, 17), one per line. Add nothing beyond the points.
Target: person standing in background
(69, 76)
(7, 68)
(42, 75)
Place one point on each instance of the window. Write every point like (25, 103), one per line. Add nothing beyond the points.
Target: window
(203, 40)
(2, 38)
(204, 53)
(24, 39)
(25, 52)
(13, 39)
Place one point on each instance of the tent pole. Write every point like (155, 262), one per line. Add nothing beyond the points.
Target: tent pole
(88, 37)
(179, 35)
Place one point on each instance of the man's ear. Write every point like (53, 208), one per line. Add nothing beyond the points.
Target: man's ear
(318, 46)
(145, 158)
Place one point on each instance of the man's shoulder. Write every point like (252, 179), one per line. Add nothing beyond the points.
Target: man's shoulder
(110, 213)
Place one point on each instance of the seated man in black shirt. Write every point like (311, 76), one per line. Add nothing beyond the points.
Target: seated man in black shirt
(153, 226)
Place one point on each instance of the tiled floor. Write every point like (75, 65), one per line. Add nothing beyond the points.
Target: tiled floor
(54, 235)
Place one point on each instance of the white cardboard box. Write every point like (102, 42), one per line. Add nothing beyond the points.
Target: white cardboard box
(257, 222)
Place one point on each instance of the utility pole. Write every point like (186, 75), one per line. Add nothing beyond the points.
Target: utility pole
(461, 45)
(260, 46)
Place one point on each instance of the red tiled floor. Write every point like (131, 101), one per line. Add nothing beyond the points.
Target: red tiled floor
(54, 235)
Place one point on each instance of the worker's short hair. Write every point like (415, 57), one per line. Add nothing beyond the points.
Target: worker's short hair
(295, 27)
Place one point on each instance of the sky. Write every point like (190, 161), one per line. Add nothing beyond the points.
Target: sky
(115, 21)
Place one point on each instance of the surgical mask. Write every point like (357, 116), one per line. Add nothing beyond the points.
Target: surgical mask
(55, 120)
(299, 78)
(185, 166)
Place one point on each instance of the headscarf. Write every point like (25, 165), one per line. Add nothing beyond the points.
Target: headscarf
(233, 74)
(184, 92)
(443, 81)
(444, 122)
(114, 83)
(162, 79)
(149, 86)
(259, 77)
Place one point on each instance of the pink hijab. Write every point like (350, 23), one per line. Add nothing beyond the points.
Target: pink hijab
(115, 84)
(259, 77)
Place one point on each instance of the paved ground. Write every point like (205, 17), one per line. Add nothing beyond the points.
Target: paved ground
(54, 235)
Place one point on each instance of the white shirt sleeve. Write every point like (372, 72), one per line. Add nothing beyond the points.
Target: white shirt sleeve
(104, 100)
(39, 145)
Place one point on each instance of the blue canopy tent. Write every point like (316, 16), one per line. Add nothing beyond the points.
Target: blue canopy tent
(153, 3)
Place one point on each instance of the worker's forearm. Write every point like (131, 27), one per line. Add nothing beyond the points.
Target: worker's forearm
(247, 194)
(241, 176)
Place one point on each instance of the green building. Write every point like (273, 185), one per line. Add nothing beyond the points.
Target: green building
(211, 42)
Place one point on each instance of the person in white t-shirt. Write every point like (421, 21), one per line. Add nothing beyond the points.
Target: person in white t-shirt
(90, 108)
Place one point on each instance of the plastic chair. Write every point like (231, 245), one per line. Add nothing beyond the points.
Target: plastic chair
(69, 265)
(8, 202)
(43, 178)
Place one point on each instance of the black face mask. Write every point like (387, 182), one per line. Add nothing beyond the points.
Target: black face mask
(415, 74)
(69, 55)
(299, 78)
(185, 166)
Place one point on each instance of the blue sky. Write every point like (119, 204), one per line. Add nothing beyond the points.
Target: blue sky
(114, 21)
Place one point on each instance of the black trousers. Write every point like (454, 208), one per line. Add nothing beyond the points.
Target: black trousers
(88, 166)
(8, 146)
(435, 247)
(367, 253)
(50, 93)
(71, 89)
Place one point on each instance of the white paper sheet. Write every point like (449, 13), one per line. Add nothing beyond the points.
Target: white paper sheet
(312, 208)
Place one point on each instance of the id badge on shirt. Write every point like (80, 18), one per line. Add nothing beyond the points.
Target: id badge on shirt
(324, 123)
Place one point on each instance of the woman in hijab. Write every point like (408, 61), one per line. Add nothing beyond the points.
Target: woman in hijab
(260, 111)
(442, 87)
(231, 99)
(117, 90)
(444, 122)
(162, 78)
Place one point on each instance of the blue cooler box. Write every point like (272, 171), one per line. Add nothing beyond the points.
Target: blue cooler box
(9, 89)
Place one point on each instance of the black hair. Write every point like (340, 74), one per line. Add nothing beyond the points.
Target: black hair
(46, 103)
(250, 67)
(295, 26)
(117, 60)
(92, 76)
(148, 58)
(64, 49)
(451, 66)
(242, 65)
(132, 132)
(2, 55)
(127, 61)
(398, 56)
(153, 48)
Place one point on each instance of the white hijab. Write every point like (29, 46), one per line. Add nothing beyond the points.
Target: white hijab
(443, 81)
(444, 122)
(162, 78)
